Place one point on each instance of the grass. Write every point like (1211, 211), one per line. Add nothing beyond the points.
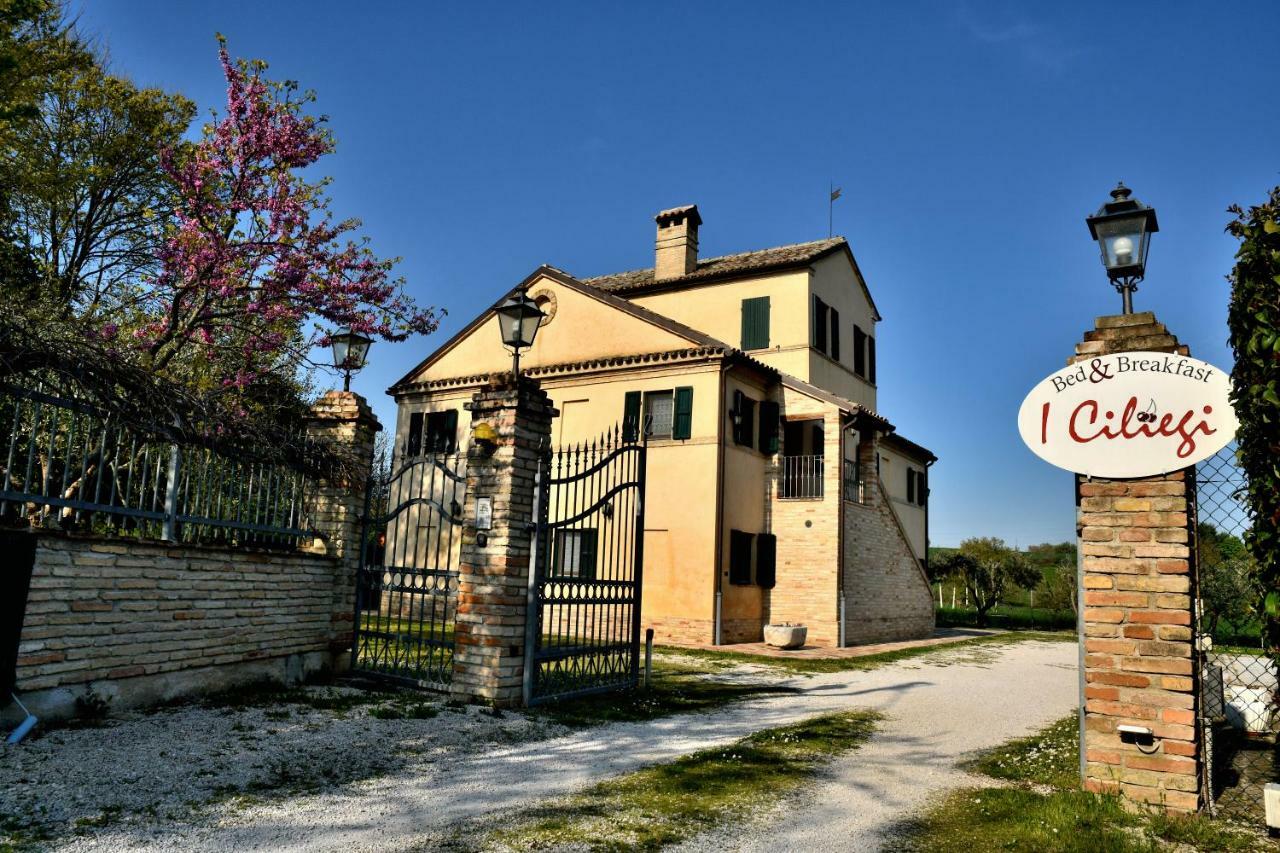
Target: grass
(819, 665)
(1044, 810)
(1009, 616)
(677, 688)
(1049, 757)
(669, 803)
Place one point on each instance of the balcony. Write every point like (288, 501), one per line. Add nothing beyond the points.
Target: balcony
(801, 478)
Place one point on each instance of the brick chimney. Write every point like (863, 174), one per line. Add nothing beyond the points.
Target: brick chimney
(676, 250)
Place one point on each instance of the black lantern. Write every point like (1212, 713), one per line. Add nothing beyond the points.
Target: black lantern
(350, 348)
(1123, 229)
(518, 321)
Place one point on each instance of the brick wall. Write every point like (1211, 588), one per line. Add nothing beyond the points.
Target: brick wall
(886, 593)
(1138, 591)
(808, 534)
(147, 622)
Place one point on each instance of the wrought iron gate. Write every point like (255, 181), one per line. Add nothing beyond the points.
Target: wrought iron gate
(584, 600)
(407, 582)
(1239, 714)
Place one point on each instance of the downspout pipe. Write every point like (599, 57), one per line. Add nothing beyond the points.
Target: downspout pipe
(717, 586)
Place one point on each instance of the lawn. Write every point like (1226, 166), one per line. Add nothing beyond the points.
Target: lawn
(811, 666)
(663, 805)
(1043, 809)
(677, 687)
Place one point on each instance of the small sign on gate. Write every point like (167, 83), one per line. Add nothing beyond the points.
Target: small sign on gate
(484, 513)
(1133, 414)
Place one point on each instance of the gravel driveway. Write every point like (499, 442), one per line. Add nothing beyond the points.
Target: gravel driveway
(939, 707)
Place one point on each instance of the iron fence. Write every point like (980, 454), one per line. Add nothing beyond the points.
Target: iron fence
(66, 465)
(1240, 713)
(801, 477)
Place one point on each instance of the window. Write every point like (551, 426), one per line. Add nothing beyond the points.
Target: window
(819, 324)
(744, 417)
(667, 414)
(871, 360)
(911, 485)
(859, 351)
(413, 446)
(769, 427)
(835, 334)
(922, 490)
(575, 555)
(432, 432)
(659, 414)
(755, 323)
(740, 558)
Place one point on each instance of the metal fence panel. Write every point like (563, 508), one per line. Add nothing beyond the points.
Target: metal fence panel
(1240, 715)
(65, 465)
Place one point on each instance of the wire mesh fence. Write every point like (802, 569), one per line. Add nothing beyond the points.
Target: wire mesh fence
(66, 465)
(1240, 710)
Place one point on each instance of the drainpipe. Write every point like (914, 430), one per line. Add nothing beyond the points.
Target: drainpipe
(720, 449)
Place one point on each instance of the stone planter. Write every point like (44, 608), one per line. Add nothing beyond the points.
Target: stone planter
(786, 636)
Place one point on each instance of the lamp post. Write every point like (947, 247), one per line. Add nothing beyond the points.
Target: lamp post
(1123, 229)
(350, 348)
(518, 321)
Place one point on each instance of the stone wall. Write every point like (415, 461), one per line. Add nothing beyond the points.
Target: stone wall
(886, 593)
(139, 623)
(1138, 592)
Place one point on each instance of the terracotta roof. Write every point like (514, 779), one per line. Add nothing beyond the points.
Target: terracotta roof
(742, 263)
(910, 447)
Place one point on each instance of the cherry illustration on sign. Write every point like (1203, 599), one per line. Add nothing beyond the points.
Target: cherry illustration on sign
(1135, 414)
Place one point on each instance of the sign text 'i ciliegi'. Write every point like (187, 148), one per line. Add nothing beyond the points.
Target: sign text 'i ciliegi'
(1133, 414)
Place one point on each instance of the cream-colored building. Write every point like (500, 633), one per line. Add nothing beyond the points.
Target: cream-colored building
(775, 490)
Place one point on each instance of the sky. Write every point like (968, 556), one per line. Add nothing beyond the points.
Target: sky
(479, 140)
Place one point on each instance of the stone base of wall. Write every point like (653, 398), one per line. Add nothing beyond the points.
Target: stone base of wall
(676, 631)
(144, 622)
(741, 631)
(122, 694)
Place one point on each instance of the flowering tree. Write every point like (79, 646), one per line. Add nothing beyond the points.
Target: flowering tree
(254, 270)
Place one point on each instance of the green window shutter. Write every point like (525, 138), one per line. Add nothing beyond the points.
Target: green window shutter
(911, 485)
(587, 556)
(767, 560)
(450, 430)
(739, 558)
(755, 323)
(682, 427)
(819, 325)
(769, 414)
(871, 360)
(631, 417)
(835, 334)
(859, 350)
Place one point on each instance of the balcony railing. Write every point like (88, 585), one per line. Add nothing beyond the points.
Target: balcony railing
(855, 488)
(801, 477)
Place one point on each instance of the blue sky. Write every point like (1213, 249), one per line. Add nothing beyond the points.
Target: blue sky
(478, 140)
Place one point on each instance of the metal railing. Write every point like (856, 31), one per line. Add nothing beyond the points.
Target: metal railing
(855, 488)
(801, 477)
(65, 465)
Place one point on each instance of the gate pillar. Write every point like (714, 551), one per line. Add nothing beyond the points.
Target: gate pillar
(1138, 583)
(493, 581)
(343, 421)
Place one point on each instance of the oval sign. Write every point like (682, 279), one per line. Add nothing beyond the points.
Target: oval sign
(1133, 414)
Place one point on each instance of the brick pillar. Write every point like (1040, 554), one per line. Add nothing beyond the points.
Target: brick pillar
(344, 421)
(1138, 581)
(493, 583)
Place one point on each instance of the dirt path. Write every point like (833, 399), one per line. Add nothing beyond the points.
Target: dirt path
(938, 707)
